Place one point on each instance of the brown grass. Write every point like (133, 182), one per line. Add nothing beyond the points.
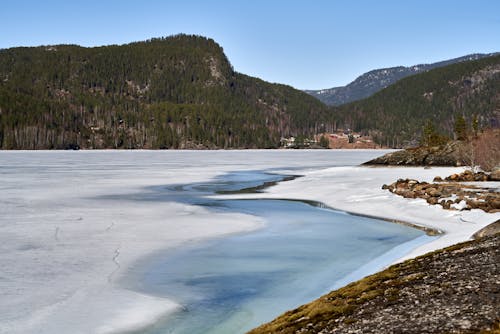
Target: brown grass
(486, 149)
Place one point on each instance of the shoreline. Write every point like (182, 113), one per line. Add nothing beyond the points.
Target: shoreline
(133, 280)
(334, 188)
(430, 231)
(404, 251)
(394, 255)
(451, 234)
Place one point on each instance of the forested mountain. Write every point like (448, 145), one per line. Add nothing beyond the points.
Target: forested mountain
(376, 80)
(396, 115)
(174, 92)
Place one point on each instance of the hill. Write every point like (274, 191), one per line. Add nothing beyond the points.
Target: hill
(174, 92)
(376, 80)
(454, 290)
(396, 115)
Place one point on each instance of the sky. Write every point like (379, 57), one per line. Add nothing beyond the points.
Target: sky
(313, 44)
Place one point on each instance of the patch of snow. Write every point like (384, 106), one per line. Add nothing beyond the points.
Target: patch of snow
(459, 206)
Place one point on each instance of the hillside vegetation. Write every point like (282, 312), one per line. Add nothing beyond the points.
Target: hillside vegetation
(396, 115)
(371, 82)
(175, 92)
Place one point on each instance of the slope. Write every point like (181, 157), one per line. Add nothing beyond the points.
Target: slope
(371, 82)
(396, 115)
(174, 92)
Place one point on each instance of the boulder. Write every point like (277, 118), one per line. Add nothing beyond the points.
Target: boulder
(491, 229)
(495, 174)
(432, 200)
(434, 192)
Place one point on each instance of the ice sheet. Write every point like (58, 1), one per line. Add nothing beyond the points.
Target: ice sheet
(65, 238)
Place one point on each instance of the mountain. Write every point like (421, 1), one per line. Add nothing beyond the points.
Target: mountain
(174, 92)
(396, 115)
(376, 80)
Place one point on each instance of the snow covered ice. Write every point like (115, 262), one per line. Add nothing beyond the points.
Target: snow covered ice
(65, 240)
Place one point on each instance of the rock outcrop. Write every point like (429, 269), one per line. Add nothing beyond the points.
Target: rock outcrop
(446, 155)
(495, 174)
(450, 195)
(491, 229)
(467, 176)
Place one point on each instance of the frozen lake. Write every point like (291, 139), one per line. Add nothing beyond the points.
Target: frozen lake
(233, 284)
(106, 241)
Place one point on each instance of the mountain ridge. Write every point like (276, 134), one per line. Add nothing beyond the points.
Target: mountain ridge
(396, 115)
(373, 81)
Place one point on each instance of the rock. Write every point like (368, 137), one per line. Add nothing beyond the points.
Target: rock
(446, 204)
(495, 203)
(476, 205)
(432, 200)
(464, 197)
(437, 179)
(434, 192)
(409, 194)
(468, 176)
(480, 177)
(495, 174)
(491, 229)
(446, 155)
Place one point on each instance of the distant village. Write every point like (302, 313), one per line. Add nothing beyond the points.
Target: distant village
(342, 139)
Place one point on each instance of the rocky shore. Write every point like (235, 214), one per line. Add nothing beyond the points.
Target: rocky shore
(454, 290)
(450, 154)
(450, 193)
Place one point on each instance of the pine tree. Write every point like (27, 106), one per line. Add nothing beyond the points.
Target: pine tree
(324, 142)
(460, 128)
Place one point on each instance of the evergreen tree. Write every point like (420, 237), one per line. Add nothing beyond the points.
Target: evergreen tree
(324, 142)
(173, 92)
(475, 125)
(460, 128)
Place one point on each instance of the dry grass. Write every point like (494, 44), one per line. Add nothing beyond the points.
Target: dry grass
(339, 303)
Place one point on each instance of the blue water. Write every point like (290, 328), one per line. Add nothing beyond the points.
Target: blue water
(232, 284)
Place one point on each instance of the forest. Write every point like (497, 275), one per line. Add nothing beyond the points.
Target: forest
(181, 92)
(165, 93)
(398, 115)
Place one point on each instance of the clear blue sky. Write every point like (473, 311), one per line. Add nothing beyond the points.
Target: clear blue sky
(307, 44)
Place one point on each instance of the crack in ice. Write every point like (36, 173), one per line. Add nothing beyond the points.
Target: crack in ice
(116, 262)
